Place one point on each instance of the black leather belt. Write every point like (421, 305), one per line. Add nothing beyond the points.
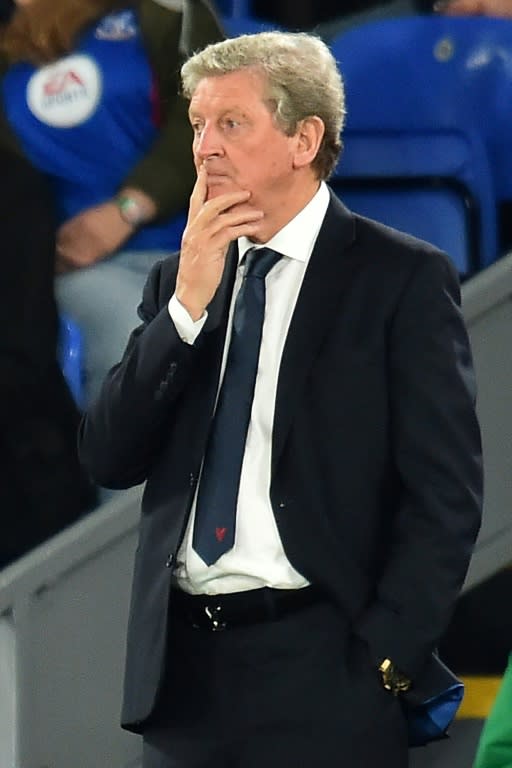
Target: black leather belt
(219, 612)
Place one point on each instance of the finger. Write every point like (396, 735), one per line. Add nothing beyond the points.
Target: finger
(456, 7)
(234, 226)
(235, 218)
(199, 193)
(245, 208)
(200, 234)
(68, 259)
(221, 241)
(213, 210)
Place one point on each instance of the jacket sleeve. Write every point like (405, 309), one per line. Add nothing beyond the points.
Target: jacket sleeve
(166, 173)
(437, 456)
(123, 430)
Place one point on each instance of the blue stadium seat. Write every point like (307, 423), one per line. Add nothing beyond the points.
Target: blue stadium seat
(423, 150)
(234, 8)
(238, 19)
(245, 25)
(70, 358)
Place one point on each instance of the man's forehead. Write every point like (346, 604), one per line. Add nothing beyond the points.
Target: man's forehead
(245, 84)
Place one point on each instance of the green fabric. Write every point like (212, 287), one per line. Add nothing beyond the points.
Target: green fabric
(166, 173)
(495, 745)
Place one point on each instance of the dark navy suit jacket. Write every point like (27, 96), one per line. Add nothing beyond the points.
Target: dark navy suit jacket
(376, 479)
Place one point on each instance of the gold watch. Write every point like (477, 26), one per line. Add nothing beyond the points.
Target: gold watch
(392, 679)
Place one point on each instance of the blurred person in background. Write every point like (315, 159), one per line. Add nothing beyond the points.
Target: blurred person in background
(305, 14)
(336, 24)
(501, 9)
(89, 95)
(42, 486)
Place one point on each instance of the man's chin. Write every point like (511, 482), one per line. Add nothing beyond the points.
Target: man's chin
(214, 190)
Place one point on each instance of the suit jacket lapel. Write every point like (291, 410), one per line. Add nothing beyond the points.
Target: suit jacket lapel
(318, 302)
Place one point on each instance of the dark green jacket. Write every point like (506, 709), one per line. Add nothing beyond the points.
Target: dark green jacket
(166, 173)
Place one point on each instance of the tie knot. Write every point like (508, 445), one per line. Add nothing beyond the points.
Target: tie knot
(259, 262)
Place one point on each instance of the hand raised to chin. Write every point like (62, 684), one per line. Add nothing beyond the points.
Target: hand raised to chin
(211, 226)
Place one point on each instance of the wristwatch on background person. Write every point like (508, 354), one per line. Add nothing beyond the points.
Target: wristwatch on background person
(132, 211)
(392, 679)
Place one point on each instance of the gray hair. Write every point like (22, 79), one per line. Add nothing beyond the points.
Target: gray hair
(302, 80)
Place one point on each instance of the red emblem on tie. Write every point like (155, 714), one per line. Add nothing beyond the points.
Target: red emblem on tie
(220, 533)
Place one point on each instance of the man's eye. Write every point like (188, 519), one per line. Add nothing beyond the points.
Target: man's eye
(197, 128)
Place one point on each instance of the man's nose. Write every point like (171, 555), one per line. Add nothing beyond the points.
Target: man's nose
(207, 144)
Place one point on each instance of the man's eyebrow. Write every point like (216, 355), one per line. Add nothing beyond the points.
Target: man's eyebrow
(238, 112)
(193, 113)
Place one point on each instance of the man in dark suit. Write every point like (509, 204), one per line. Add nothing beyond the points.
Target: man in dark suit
(265, 635)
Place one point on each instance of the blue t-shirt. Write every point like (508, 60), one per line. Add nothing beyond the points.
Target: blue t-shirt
(88, 118)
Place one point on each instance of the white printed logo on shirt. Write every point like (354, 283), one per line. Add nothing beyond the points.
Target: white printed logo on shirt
(117, 27)
(66, 93)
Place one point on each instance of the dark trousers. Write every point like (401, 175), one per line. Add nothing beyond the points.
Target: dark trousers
(299, 692)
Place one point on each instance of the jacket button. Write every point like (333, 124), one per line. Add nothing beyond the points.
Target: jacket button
(169, 561)
(282, 505)
(161, 391)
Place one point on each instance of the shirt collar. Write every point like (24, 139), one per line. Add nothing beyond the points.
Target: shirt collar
(297, 238)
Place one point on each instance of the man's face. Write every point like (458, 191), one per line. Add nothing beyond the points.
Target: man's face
(237, 140)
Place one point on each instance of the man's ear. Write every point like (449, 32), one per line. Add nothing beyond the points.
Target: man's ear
(309, 135)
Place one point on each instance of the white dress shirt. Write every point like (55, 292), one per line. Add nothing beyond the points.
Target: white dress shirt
(257, 558)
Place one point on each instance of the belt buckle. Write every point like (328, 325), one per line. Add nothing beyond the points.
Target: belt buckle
(214, 616)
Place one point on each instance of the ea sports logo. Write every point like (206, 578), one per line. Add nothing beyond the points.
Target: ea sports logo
(65, 94)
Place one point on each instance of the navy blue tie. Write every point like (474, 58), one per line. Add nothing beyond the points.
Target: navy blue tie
(215, 520)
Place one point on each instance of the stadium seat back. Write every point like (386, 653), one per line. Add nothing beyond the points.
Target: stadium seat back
(418, 150)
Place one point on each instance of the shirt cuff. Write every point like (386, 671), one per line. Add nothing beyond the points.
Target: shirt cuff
(188, 329)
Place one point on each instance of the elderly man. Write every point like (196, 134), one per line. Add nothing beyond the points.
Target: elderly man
(299, 399)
